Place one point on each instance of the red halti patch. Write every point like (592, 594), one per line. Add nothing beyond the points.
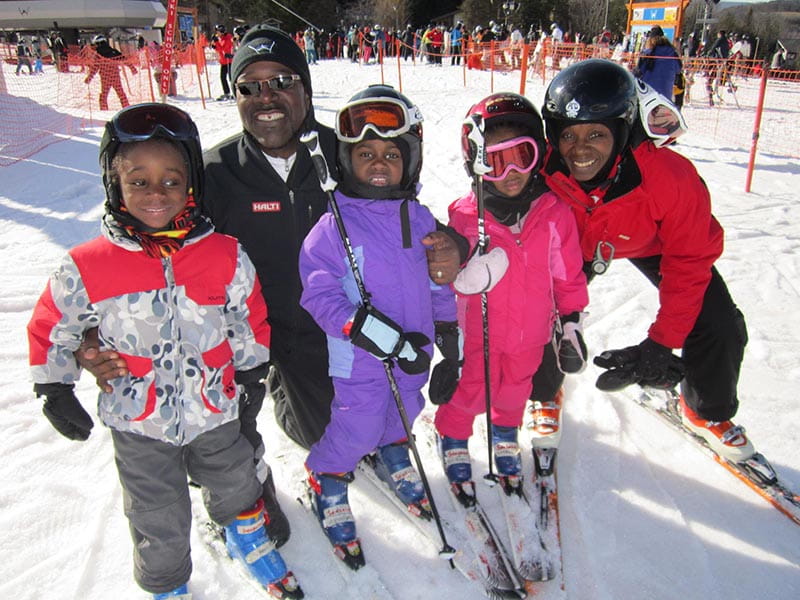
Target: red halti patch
(261, 207)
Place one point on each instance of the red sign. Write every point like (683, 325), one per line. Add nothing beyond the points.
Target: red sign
(260, 207)
(168, 47)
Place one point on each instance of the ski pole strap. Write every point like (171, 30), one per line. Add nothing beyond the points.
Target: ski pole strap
(310, 140)
(474, 124)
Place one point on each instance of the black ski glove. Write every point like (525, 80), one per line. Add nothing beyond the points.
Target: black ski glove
(384, 339)
(64, 411)
(569, 345)
(648, 364)
(446, 374)
(253, 383)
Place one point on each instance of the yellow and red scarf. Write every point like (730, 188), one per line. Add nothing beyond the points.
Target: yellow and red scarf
(167, 241)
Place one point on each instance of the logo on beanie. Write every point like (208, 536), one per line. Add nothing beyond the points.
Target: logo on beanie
(572, 108)
(262, 47)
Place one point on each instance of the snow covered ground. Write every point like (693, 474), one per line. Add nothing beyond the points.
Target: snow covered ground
(644, 513)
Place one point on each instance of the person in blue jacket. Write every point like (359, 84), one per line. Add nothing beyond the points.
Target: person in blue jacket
(659, 63)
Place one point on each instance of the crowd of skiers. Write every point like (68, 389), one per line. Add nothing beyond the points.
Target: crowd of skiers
(332, 301)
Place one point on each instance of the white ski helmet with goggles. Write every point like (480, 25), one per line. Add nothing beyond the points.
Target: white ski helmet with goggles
(380, 112)
(142, 122)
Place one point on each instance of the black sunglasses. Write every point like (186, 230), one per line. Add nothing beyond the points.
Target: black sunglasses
(279, 82)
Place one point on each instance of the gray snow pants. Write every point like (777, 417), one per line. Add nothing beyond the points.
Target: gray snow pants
(155, 490)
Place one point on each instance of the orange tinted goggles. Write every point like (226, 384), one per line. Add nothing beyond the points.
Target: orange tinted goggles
(385, 116)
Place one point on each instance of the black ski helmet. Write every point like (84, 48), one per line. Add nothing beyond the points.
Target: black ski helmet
(410, 143)
(142, 122)
(497, 109)
(595, 91)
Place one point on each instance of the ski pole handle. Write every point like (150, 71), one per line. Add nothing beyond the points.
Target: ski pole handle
(475, 125)
(310, 140)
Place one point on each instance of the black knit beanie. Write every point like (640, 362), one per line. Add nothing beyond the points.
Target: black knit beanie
(264, 42)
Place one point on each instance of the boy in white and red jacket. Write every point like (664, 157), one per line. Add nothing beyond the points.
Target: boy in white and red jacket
(183, 306)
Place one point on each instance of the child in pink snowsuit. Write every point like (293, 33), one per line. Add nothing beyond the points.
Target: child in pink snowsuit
(533, 240)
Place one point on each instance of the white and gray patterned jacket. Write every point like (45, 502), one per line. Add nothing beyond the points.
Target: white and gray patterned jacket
(184, 324)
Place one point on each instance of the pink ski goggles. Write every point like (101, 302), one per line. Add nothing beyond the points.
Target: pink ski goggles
(517, 154)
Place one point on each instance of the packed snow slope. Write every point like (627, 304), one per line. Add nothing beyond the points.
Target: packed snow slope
(644, 513)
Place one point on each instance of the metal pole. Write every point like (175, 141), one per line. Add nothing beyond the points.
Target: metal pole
(705, 22)
(290, 11)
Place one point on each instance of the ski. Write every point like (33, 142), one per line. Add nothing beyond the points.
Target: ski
(213, 537)
(756, 472)
(531, 554)
(545, 501)
(363, 581)
(476, 558)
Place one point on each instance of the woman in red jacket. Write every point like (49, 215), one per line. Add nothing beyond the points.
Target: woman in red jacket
(648, 204)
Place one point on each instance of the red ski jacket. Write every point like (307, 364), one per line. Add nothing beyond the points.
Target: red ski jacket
(224, 47)
(657, 204)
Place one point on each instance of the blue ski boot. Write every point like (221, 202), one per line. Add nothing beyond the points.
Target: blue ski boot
(247, 541)
(393, 466)
(179, 593)
(458, 468)
(507, 459)
(329, 498)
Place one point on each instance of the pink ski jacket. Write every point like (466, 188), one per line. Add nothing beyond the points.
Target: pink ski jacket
(544, 276)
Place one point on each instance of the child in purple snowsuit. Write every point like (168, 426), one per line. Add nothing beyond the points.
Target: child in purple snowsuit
(379, 160)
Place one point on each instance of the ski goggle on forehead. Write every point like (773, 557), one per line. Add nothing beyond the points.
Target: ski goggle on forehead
(517, 154)
(141, 122)
(661, 119)
(387, 117)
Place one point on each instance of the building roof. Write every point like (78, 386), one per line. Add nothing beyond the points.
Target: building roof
(44, 14)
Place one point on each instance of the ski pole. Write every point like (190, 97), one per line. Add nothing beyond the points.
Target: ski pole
(328, 184)
(479, 168)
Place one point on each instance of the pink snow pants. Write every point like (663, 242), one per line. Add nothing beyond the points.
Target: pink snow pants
(510, 388)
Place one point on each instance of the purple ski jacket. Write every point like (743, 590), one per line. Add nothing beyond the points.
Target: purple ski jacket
(396, 277)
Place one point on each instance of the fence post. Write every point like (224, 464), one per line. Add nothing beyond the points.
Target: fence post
(762, 90)
(379, 57)
(523, 68)
(491, 67)
(399, 72)
(196, 49)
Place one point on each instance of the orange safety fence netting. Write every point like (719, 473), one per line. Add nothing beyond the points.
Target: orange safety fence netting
(40, 108)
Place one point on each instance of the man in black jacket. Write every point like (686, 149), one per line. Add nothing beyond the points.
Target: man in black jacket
(261, 187)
